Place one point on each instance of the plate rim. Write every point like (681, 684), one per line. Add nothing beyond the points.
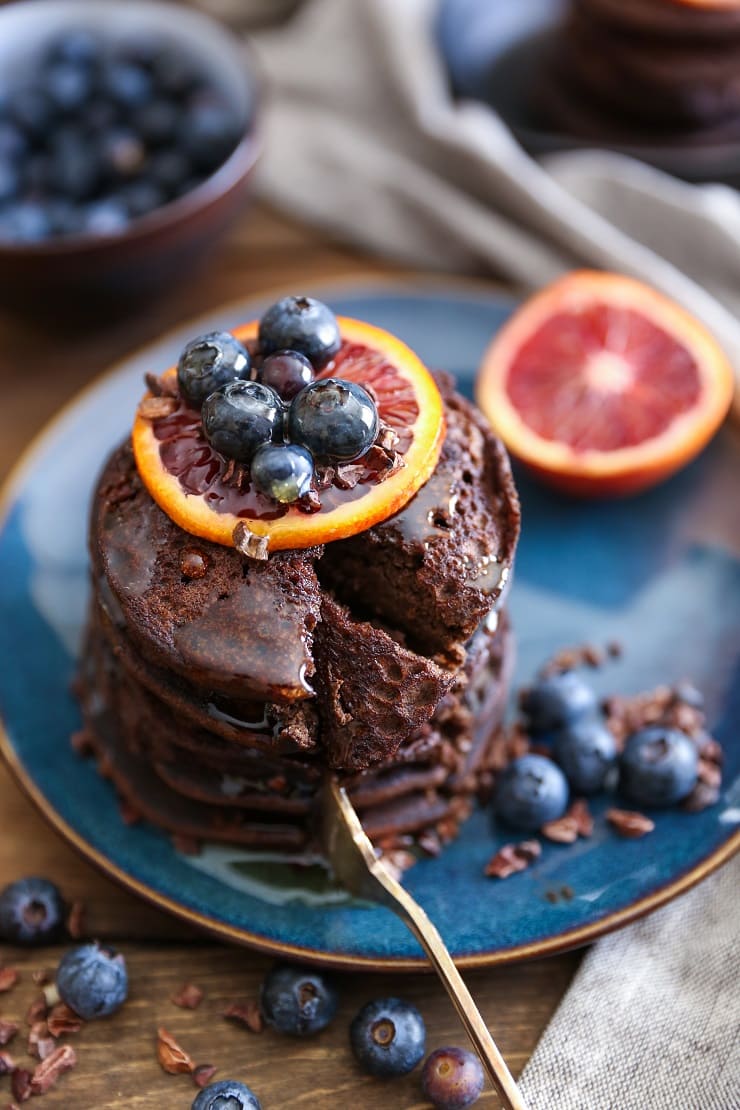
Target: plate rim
(560, 942)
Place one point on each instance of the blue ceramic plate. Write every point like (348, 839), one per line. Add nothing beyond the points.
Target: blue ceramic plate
(659, 572)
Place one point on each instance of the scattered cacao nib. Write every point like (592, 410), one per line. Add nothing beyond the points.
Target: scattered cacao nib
(43, 975)
(172, 1058)
(387, 437)
(512, 858)
(76, 920)
(324, 477)
(49, 1070)
(429, 843)
(348, 475)
(701, 797)
(63, 1020)
(709, 773)
(563, 831)
(247, 1014)
(614, 649)
(154, 408)
(567, 893)
(629, 823)
(51, 995)
(37, 1011)
(249, 544)
(686, 692)
(81, 742)
(187, 845)
(20, 1084)
(310, 502)
(11, 1106)
(8, 978)
(8, 1030)
(40, 1041)
(552, 896)
(166, 386)
(7, 1064)
(710, 749)
(203, 1074)
(189, 997)
(568, 658)
(581, 814)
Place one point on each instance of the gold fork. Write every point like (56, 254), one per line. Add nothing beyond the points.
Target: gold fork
(354, 863)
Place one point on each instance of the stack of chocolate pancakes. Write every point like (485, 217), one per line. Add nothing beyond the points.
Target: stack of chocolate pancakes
(218, 691)
(660, 71)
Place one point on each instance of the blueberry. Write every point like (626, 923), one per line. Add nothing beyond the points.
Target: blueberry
(141, 197)
(77, 46)
(13, 143)
(226, 1095)
(65, 218)
(31, 109)
(586, 750)
(68, 85)
(300, 324)
(156, 122)
(282, 471)
(126, 84)
(123, 153)
(530, 792)
(173, 74)
(658, 766)
(556, 701)
(210, 131)
(168, 169)
(25, 222)
(210, 361)
(75, 166)
(334, 419)
(297, 1001)
(92, 980)
(388, 1037)
(98, 116)
(32, 911)
(239, 417)
(105, 217)
(452, 1078)
(287, 372)
(10, 181)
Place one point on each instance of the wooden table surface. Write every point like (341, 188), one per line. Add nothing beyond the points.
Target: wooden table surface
(40, 368)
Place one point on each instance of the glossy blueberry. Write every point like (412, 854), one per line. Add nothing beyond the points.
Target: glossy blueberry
(388, 1037)
(92, 980)
(126, 84)
(141, 197)
(32, 911)
(282, 471)
(587, 751)
(557, 700)
(210, 361)
(241, 416)
(297, 1001)
(227, 1094)
(530, 792)
(658, 766)
(76, 46)
(452, 1078)
(287, 372)
(105, 217)
(67, 85)
(334, 419)
(300, 324)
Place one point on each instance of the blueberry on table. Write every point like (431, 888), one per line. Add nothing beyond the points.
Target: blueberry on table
(32, 911)
(282, 471)
(241, 416)
(227, 1094)
(557, 700)
(92, 981)
(658, 766)
(210, 361)
(300, 324)
(334, 419)
(388, 1037)
(297, 1001)
(452, 1078)
(586, 751)
(530, 792)
(287, 372)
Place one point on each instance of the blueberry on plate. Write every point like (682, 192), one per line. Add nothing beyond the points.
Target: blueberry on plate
(297, 1001)
(92, 981)
(241, 416)
(658, 766)
(334, 419)
(388, 1037)
(300, 324)
(31, 912)
(210, 361)
(557, 700)
(282, 471)
(452, 1078)
(227, 1094)
(530, 792)
(287, 372)
(587, 751)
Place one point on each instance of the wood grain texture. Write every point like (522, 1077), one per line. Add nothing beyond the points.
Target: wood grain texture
(42, 365)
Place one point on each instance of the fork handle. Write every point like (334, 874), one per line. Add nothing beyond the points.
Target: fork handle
(430, 940)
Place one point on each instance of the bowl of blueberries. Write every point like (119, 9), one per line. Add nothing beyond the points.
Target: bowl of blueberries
(127, 142)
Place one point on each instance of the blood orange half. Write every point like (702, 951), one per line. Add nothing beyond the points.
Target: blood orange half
(194, 485)
(603, 386)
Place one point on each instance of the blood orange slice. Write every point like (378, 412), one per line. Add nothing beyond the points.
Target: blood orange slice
(603, 386)
(196, 486)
